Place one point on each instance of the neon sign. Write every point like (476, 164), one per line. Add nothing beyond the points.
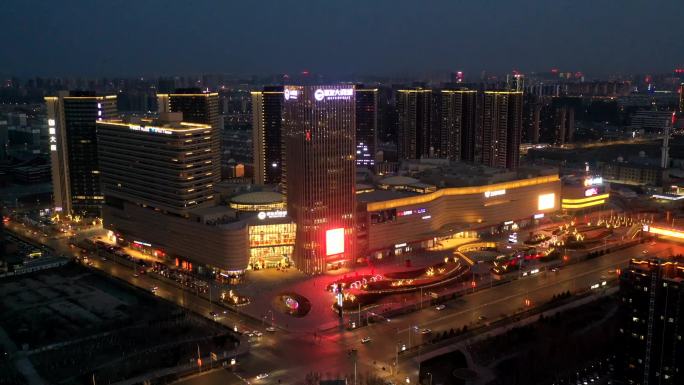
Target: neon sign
(334, 94)
(271, 214)
(291, 94)
(495, 193)
(593, 181)
(590, 192)
(153, 130)
(53, 134)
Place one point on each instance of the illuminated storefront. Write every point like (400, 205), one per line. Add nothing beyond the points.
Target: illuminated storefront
(271, 245)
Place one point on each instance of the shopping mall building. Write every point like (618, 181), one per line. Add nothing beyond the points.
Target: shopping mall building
(397, 214)
(404, 214)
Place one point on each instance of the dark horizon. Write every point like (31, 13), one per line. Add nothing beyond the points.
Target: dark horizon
(385, 38)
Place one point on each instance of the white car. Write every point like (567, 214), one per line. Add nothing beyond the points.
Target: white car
(366, 340)
(261, 376)
(258, 333)
(440, 307)
(270, 329)
(425, 331)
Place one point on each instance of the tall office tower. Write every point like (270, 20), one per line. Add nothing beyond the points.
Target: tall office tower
(681, 98)
(165, 164)
(73, 149)
(458, 124)
(267, 120)
(319, 123)
(651, 319)
(501, 128)
(366, 126)
(415, 118)
(198, 107)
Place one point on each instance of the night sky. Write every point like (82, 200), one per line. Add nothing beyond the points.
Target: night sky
(383, 37)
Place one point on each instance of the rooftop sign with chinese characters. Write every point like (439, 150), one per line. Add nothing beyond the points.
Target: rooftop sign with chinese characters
(334, 94)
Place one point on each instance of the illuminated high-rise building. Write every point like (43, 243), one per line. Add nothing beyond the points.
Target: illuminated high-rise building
(319, 125)
(366, 126)
(73, 149)
(198, 107)
(165, 164)
(681, 98)
(458, 124)
(501, 124)
(267, 121)
(651, 327)
(416, 121)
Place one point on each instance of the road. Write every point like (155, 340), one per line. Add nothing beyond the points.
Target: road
(289, 356)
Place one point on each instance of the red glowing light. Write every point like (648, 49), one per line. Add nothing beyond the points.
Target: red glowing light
(308, 135)
(334, 241)
(473, 283)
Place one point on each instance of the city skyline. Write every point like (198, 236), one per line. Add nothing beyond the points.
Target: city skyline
(388, 38)
(323, 193)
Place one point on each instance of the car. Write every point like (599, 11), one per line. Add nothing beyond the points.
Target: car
(136, 275)
(426, 331)
(366, 340)
(250, 334)
(644, 252)
(154, 289)
(440, 307)
(555, 270)
(270, 329)
(104, 259)
(258, 333)
(261, 376)
(481, 318)
(213, 314)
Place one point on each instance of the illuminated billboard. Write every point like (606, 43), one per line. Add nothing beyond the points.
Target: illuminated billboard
(546, 201)
(334, 241)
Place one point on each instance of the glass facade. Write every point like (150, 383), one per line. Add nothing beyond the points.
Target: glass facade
(271, 245)
(320, 148)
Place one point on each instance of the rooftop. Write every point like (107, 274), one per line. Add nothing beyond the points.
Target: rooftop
(159, 126)
(398, 180)
(259, 197)
(382, 195)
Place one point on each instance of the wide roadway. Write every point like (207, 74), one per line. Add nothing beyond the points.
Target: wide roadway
(289, 356)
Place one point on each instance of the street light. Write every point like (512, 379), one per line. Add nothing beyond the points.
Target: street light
(430, 374)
